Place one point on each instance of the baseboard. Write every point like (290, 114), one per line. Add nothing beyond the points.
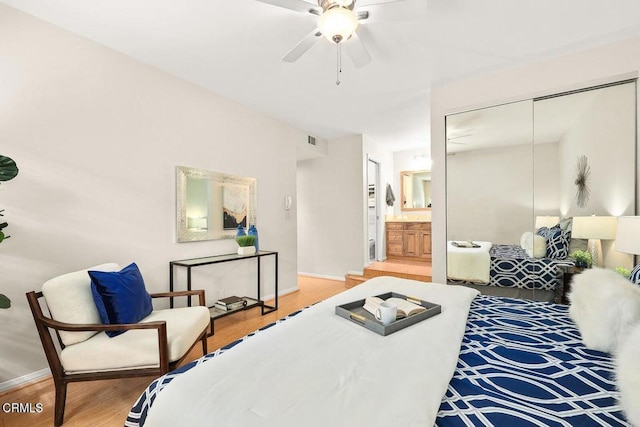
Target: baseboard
(356, 273)
(17, 382)
(322, 276)
(280, 293)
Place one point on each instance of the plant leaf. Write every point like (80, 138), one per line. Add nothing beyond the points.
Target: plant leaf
(8, 168)
(4, 301)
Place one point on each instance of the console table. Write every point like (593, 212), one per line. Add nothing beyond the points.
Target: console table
(251, 302)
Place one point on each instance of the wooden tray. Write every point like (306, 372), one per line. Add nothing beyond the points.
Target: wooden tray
(355, 312)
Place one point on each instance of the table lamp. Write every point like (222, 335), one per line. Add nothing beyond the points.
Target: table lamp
(199, 224)
(594, 228)
(628, 241)
(546, 221)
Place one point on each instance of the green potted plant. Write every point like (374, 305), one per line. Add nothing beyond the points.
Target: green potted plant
(246, 245)
(8, 171)
(583, 258)
(624, 272)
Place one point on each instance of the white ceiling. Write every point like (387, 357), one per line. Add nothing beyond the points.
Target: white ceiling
(234, 47)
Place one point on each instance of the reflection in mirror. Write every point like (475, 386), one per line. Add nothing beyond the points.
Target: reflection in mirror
(211, 205)
(415, 187)
(512, 168)
(489, 173)
(595, 129)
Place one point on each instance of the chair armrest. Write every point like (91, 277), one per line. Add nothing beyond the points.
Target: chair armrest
(198, 292)
(79, 327)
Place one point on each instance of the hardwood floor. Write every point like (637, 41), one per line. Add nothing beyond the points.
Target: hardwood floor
(107, 403)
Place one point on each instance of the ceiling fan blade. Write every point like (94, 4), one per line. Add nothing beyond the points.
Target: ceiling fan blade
(296, 5)
(357, 51)
(304, 45)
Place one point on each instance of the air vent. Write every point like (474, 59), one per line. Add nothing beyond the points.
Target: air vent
(311, 140)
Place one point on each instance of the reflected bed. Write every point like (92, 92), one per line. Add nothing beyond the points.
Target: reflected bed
(513, 273)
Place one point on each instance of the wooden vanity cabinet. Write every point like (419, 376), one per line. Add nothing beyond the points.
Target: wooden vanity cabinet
(408, 240)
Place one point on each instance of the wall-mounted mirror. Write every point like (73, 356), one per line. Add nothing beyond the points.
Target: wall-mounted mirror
(211, 205)
(512, 166)
(415, 190)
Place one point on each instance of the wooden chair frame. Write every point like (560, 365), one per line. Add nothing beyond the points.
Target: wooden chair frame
(61, 378)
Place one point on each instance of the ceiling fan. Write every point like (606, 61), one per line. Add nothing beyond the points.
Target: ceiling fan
(337, 21)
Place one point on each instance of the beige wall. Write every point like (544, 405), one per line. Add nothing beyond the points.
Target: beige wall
(614, 62)
(331, 194)
(97, 136)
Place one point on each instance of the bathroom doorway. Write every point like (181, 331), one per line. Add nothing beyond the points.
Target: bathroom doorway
(373, 208)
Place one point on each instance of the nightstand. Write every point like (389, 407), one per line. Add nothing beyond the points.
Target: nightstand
(567, 276)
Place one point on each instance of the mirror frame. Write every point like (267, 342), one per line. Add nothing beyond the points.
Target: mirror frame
(402, 194)
(183, 232)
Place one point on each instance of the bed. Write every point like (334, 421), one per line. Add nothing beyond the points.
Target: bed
(512, 272)
(534, 269)
(469, 261)
(482, 361)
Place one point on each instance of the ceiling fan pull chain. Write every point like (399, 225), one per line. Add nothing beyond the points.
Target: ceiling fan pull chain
(338, 63)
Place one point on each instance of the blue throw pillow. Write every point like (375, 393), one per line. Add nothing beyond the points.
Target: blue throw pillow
(120, 296)
(543, 231)
(557, 243)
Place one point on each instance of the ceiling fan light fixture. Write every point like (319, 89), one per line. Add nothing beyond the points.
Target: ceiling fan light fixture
(337, 24)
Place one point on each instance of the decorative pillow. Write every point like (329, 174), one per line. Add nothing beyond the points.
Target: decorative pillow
(120, 296)
(70, 300)
(565, 224)
(534, 245)
(605, 306)
(557, 241)
(635, 275)
(578, 245)
(628, 375)
(543, 231)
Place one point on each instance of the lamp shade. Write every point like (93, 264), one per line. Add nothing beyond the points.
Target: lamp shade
(197, 223)
(546, 221)
(337, 24)
(628, 235)
(594, 227)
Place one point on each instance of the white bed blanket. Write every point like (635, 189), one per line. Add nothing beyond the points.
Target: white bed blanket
(471, 264)
(319, 369)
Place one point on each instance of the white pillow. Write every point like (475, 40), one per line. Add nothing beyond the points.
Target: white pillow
(70, 300)
(605, 306)
(535, 246)
(628, 375)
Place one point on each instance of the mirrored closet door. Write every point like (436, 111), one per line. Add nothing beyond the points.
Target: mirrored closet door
(519, 175)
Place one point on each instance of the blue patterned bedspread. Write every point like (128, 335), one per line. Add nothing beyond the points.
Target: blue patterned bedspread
(512, 267)
(522, 363)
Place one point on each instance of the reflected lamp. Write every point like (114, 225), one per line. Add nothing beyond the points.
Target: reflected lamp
(628, 241)
(197, 223)
(595, 228)
(546, 221)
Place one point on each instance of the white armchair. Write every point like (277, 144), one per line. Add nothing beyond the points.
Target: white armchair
(153, 346)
